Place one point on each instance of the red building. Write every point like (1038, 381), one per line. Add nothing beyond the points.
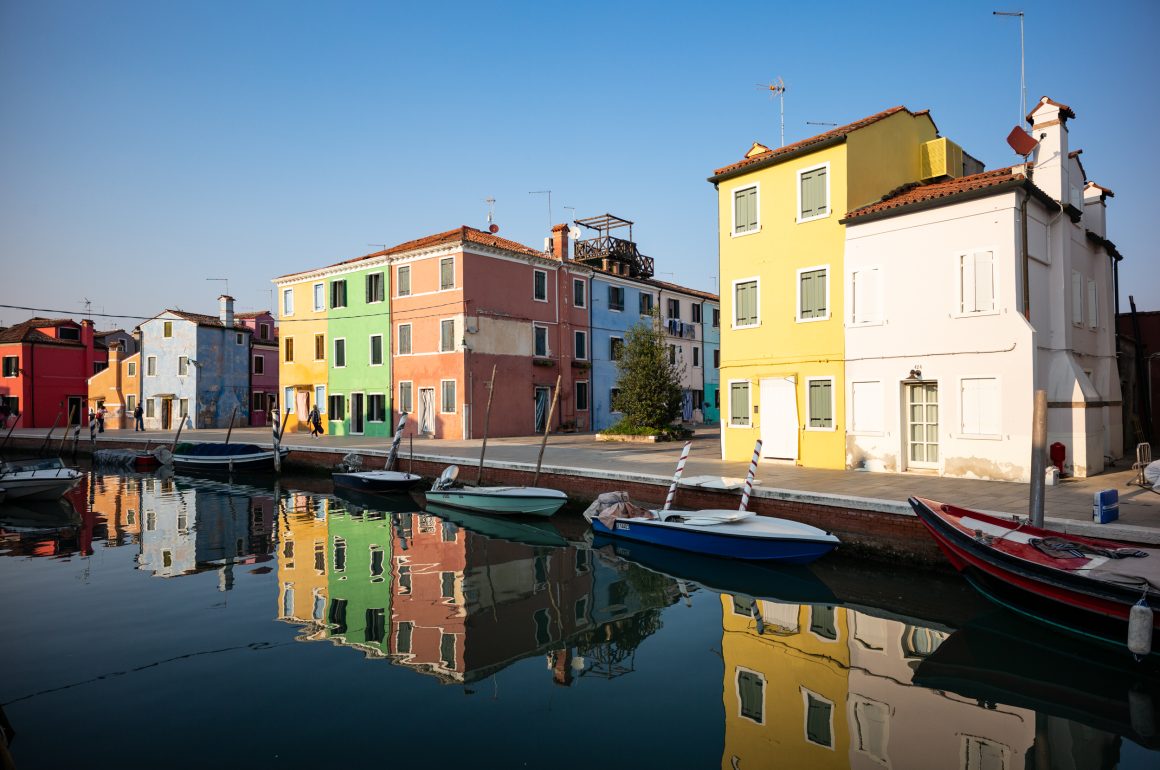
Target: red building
(46, 367)
(263, 364)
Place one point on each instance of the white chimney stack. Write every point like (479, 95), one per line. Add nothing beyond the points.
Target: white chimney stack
(226, 310)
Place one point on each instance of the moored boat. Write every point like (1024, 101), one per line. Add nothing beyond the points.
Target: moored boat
(1085, 586)
(225, 457)
(351, 475)
(530, 501)
(534, 531)
(37, 479)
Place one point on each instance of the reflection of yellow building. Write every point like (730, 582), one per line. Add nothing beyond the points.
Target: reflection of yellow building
(785, 689)
(302, 351)
(118, 499)
(302, 564)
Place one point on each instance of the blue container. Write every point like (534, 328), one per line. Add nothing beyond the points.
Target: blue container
(1105, 506)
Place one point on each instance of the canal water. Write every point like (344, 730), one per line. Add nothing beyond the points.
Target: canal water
(154, 622)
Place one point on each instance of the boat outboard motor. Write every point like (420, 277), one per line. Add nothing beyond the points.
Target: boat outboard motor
(447, 478)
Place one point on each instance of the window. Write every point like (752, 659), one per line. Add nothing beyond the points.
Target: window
(12, 366)
(405, 393)
(1076, 298)
(616, 298)
(696, 356)
(813, 193)
(150, 407)
(338, 293)
(376, 407)
(983, 754)
(582, 395)
(821, 403)
(739, 404)
(581, 346)
(182, 366)
(259, 365)
(716, 317)
(130, 404)
(672, 354)
(339, 353)
(287, 302)
(540, 340)
(319, 347)
(374, 287)
(376, 350)
(167, 329)
(823, 622)
(288, 400)
(258, 401)
(447, 273)
(813, 294)
(320, 397)
(976, 283)
(745, 303)
(339, 554)
(674, 308)
(979, 406)
(404, 339)
(263, 331)
(68, 333)
(183, 407)
(866, 407)
(751, 695)
(646, 303)
(615, 348)
(819, 719)
(447, 650)
(696, 312)
(336, 407)
(716, 358)
(745, 210)
(403, 637)
(447, 405)
(447, 584)
(865, 293)
(403, 278)
(319, 297)
(579, 292)
(1092, 305)
(540, 285)
(132, 369)
(151, 366)
(288, 349)
(447, 335)
(239, 338)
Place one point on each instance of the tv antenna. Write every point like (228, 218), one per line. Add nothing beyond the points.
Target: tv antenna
(549, 194)
(820, 123)
(492, 227)
(88, 303)
(1022, 69)
(777, 88)
(226, 281)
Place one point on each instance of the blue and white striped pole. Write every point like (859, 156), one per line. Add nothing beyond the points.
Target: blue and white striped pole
(749, 476)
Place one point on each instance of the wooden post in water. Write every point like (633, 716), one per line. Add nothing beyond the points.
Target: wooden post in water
(64, 436)
(76, 439)
(486, 420)
(1038, 458)
(230, 430)
(277, 441)
(547, 429)
(177, 437)
(48, 438)
(411, 453)
(15, 419)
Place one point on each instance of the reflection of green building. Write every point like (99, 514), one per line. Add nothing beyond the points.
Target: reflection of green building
(359, 359)
(359, 581)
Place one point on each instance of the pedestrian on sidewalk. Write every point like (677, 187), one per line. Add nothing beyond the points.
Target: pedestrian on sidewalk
(101, 419)
(315, 420)
(138, 418)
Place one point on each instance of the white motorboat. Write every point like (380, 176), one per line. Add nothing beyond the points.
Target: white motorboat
(352, 476)
(529, 501)
(37, 480)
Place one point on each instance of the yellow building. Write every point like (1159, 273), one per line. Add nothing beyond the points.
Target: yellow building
(302, 565)
(782, 280)
(785, 688)
(302, 350)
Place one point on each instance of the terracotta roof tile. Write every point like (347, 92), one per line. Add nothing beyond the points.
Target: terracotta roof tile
(908, 195)
(664, 285)
(27, 331)
(204, 320)
(252, 314)
(835, 133)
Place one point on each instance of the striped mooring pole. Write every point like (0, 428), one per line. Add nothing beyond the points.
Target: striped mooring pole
(677, 476)
(749, 476)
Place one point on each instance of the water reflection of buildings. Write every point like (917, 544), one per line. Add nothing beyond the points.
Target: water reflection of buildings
(302, 564)
(825, 686)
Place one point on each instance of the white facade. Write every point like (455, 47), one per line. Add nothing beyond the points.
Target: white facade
(942, 364)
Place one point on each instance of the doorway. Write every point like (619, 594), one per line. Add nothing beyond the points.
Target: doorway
(543, 396)
(922, 424)
(427, 411)
(75, 405)
(302, 406)
(357, 414)
(166, 413)
(779, 418)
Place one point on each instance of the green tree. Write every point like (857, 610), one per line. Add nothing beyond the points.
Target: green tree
(649, 381)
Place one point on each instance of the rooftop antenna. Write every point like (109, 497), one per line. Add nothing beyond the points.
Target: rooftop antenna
(777, 88)
(572, 216)
(1022, 70)
(88, 303)
(492, 227)
(820, 123)
(226, 281)
(549, 194)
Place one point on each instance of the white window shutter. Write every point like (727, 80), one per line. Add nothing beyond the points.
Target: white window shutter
(1093, 318)
(984, 282)
(1076, 298)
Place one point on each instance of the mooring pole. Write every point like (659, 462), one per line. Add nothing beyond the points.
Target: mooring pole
(12, 427)
(486, 420)
(547, 429)
(64, 436)
(1038, 458)
(230, 430)
(48, 438)
(277, 444)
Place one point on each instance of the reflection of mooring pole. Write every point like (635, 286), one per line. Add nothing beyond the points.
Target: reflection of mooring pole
(547, 429)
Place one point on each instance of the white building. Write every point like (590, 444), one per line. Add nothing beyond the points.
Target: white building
(956, 314)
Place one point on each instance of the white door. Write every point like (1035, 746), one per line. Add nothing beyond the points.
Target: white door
(427, 411)
(922, 424)
(779, 418)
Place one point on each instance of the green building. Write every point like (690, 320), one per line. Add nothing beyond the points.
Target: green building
(359, 359)
(359, 581)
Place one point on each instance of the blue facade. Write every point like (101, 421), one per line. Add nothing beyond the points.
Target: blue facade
(609, 323)
(710, 312)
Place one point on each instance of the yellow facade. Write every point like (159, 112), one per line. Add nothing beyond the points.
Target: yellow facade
(785, 689)
(861, 163)
(302, 565)
(299, 330)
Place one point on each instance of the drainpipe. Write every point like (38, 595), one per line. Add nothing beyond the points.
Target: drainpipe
(1026, 262)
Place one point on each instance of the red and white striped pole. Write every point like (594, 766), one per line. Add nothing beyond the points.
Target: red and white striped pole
(677, 476)
(749, 476)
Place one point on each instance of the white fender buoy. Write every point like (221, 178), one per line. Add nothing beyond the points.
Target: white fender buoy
(1140, 628)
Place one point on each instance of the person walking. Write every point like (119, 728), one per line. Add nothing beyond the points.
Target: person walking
(101, 419)
(138, 418)
(315, 420)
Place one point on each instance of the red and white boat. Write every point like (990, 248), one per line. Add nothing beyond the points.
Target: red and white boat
(1086, 586)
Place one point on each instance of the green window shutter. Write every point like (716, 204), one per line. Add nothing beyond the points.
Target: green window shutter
(813, 193)
(813, 294)
(745, 210)
(739, 403)
(821, 404)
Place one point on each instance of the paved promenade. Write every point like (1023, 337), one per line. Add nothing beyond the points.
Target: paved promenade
(1068, 503)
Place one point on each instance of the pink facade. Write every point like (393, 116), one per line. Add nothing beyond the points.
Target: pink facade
(263, 364)
(46, 368)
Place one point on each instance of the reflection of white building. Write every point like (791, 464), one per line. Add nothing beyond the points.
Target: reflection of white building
(168, 535)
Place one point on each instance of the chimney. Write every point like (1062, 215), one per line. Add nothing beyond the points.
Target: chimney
(560, 242)
(226, 311)
(1049, 128)
(87, 341)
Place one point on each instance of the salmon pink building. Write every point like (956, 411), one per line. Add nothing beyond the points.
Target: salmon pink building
(46, 367)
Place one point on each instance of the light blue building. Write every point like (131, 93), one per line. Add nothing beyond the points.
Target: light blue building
(195, 367)
(711, 313)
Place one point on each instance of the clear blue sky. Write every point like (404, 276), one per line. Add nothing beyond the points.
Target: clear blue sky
(146, 146)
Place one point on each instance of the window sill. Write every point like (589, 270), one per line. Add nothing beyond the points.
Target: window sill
(754, 231)
(976, 314)
(860, 324)
(819, 430)
(814, 219)
(747, 326)
(740, 425)
(811, 320)
(976, 437)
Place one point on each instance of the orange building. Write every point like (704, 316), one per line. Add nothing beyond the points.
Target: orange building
(117, 388)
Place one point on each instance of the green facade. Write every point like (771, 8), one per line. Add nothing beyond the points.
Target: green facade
(359, 580)
(354, 318)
